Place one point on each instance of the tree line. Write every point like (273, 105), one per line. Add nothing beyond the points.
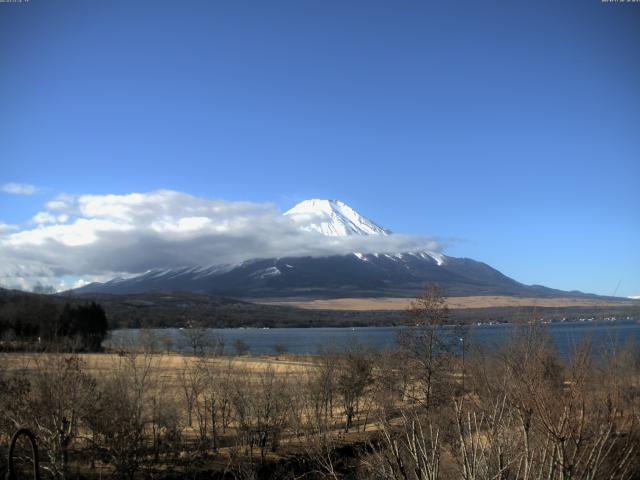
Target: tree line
(38, 322)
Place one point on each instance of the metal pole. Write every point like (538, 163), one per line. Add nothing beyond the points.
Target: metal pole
(11, 474)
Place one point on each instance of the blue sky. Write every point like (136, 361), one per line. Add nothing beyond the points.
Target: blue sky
(510, 129)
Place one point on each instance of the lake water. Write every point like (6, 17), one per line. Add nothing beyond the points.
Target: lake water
(566, 336)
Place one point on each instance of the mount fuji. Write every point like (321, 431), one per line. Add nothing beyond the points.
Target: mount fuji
(332, 218)
(337, 276)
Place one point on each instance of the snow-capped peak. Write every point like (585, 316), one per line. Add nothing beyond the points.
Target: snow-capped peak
(333, 218)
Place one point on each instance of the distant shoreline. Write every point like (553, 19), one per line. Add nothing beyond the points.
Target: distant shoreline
(568, 321)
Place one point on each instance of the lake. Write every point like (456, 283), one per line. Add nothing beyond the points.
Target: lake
(566, 336)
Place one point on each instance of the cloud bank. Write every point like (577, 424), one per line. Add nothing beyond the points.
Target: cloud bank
(19, 188)
(97, 237)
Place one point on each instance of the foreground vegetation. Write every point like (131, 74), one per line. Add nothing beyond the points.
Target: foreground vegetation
(421, 411)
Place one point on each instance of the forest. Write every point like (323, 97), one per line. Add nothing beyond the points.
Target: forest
(41, 322)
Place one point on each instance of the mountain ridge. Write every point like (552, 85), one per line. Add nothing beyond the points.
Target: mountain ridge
(401, 274)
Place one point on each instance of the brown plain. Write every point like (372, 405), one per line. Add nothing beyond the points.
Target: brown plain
(390, 303)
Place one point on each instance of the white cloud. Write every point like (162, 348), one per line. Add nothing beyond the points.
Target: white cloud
(81, 282)
(5, 227)
(61, 202)
(87, 237)
(19, 188)
(48, 217)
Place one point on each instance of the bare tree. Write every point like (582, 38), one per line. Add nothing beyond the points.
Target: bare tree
(190, 378)
(197, 337)
(261, 409)
(120, 413)
(51, 402)
(426, 346)
(165, 424)
(167, 343)
(533, 419)
(354, 375)
(280, 349)
(241, 347)
(213, 405)
(410, 451)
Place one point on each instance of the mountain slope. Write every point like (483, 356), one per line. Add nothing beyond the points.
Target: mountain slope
(353, 275)
(333, 218)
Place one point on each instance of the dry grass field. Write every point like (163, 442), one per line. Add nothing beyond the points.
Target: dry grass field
(167, 366)
(178, 379)
(389, 303)
(143, 415)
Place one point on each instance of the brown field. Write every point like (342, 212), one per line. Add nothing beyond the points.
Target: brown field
(323, 415)
(389, 303)
(166, 365)
(170, 374)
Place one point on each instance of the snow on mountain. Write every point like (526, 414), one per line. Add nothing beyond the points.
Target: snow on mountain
(337, 219)
(362, 272)
(266, 273)
(358, 274)
(333, 218)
